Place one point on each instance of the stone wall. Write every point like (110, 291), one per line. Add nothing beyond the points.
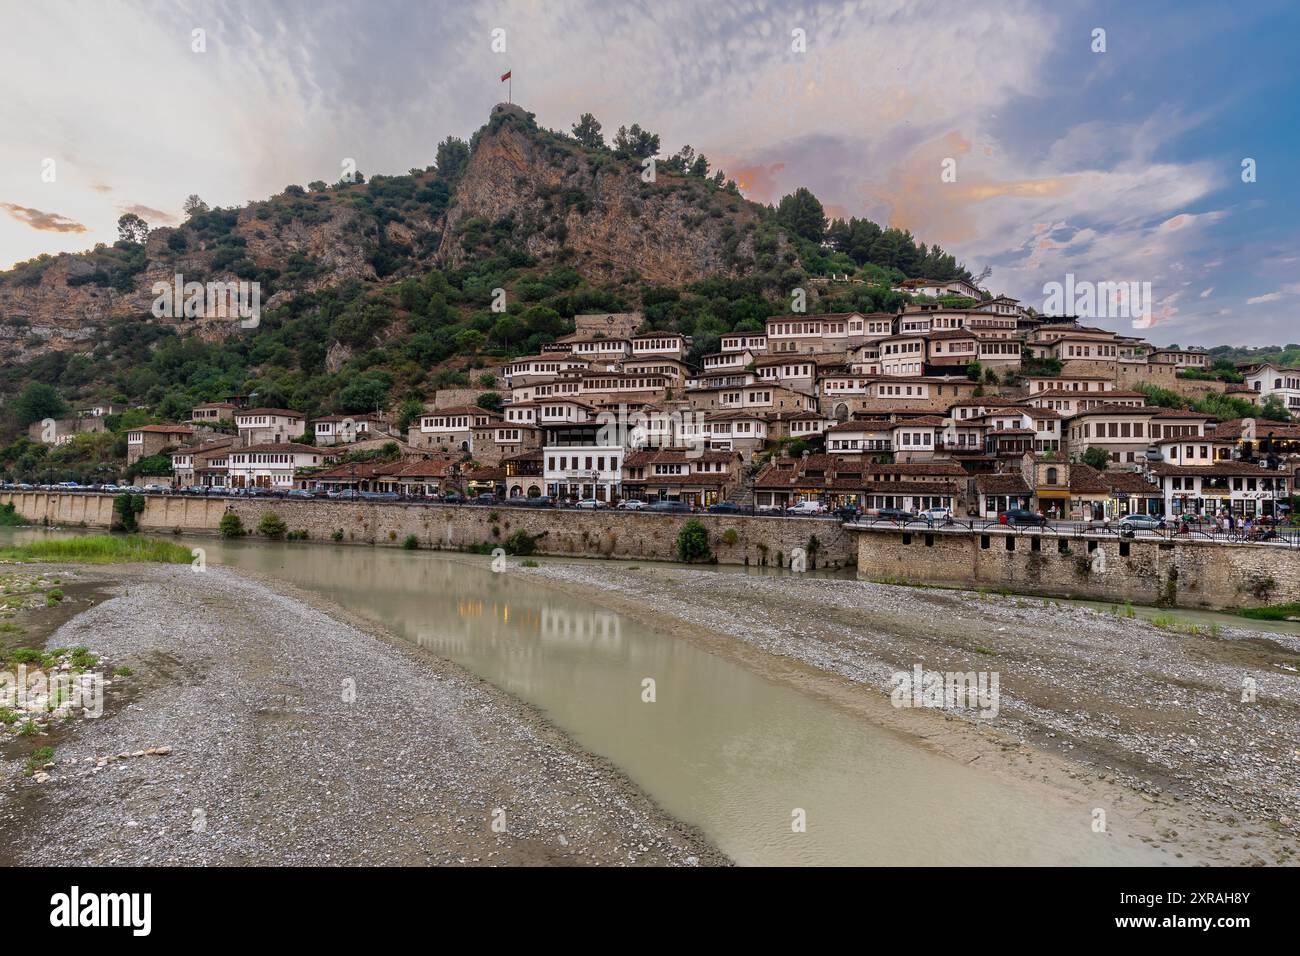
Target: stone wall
(614, 534)
(1181, 573)
(1199, 574)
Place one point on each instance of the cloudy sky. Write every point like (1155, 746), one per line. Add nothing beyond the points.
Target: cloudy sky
(1122, 165)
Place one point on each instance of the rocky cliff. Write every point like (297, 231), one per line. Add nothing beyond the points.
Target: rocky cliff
(522, 188)
(554, 195)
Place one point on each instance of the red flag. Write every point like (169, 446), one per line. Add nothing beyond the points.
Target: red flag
(505, 76)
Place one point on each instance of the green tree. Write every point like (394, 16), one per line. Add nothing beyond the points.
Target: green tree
(272, 525)
(587, 132)
(693, 542)
(451, 158)
(37, 401)
(636, 142)
(1098, 458)
(230, 526)
(408, 412)
(1273, 409)
(469, 341)
(801, 212)
(193, 204)
(131, 228)
(125, 509)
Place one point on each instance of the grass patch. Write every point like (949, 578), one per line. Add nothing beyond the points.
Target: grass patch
(10, 518)
(99, 549)
(39, 758)
(1273, 612)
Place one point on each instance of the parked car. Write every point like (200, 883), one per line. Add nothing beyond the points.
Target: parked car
(591, 504)
(300, 493)
(894, 514)
(379, 495)
(156, 489)
(807, 507)
(345, 494)
(937, 515)
(769, 509)
(1022, 516)
(848, 512)
(453, 498)
(670, 505)
(486, 498)
(1142, 522)
(632, 504)
(725, 508)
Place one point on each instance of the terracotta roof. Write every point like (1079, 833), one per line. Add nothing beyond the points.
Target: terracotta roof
(1118, 410)
(164, 429)
(1226, 469)
(285, 447)
(1008, 484)
(1086, 480)
(1129, 482)
(1067, 393)
(938, 468)
(466, 410)
(282, 412)
(914, 487)
(206, 447)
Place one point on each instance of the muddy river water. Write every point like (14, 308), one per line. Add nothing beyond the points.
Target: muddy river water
(740, 757)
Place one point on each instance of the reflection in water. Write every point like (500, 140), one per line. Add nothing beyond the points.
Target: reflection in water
(720, 748)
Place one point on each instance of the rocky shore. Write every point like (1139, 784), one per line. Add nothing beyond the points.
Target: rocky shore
(1200, 722)
(259, 727)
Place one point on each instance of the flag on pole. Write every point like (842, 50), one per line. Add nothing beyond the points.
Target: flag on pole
(505, 76)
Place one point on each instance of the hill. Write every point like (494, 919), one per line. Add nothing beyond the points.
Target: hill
(379, 291)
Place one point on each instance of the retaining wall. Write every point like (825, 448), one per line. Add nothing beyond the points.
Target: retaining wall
(1201, 574)
(615, 534)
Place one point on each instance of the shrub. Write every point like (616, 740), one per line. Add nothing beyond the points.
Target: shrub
(125, 509)
(693, 542)
(521, 543)
(53, 597)
(730, 537)
(272, 525)
(231, 526)
(336, 534)
(411, 543)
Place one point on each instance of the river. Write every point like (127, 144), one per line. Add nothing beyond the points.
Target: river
(720, 748)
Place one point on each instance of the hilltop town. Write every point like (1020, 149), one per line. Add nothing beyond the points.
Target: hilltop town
(982, 408)
(532, 320)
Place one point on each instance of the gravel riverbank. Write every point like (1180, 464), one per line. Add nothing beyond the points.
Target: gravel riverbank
(1093, 700)
(297, 735)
